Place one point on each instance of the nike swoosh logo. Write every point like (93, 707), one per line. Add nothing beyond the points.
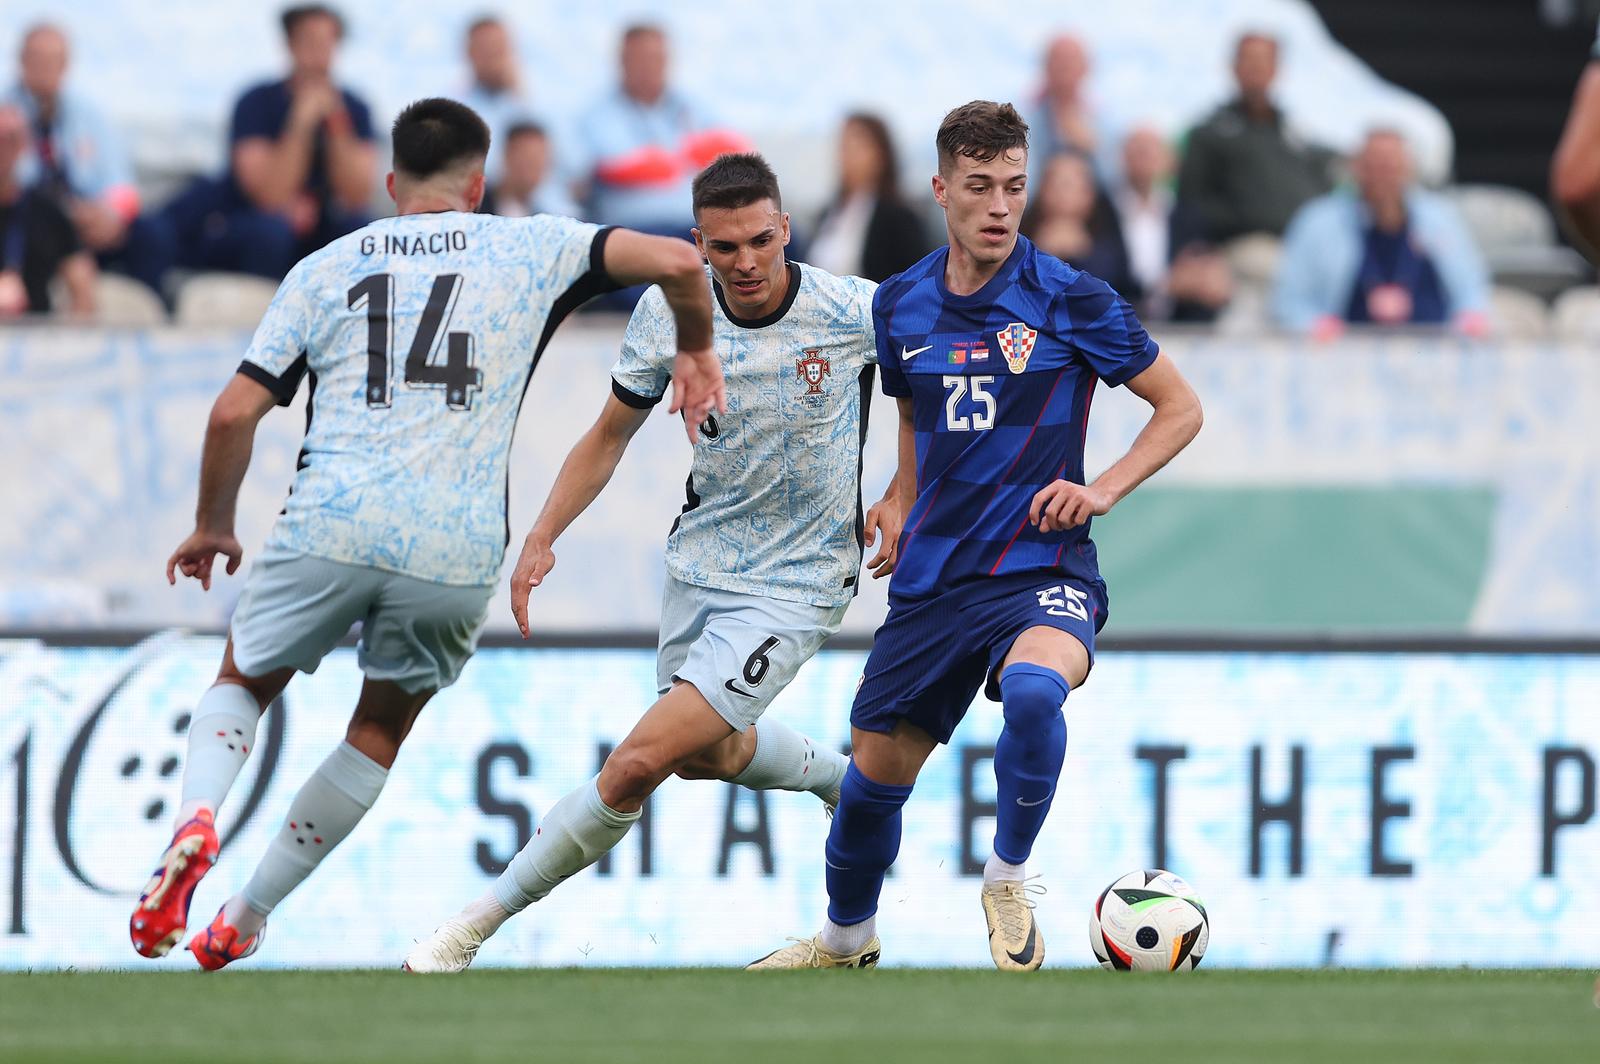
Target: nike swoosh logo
(1027, 947)
(1041, 801)
(737, 691)
(907, 356)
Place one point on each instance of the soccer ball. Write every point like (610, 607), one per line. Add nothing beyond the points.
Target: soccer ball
(1149, 921)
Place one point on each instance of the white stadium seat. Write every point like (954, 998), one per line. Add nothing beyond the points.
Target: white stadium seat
(1576, 315)
(224, 299)
(1518, 315)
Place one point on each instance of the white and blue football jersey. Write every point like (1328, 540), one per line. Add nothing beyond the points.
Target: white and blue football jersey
(418, 334)
(774, 493)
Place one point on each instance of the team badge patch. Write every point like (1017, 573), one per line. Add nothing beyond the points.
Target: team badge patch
(1016, 343)
(812, 369)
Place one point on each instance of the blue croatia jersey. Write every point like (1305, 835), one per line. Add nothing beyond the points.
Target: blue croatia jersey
(1000, 384)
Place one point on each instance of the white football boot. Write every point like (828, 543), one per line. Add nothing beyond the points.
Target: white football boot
(1014, 939)
(450, 948)
(811, 953)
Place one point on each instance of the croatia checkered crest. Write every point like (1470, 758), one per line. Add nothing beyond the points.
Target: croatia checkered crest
(1016, 343)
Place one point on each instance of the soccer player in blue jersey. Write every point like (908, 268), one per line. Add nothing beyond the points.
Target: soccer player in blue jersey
(418, 334)
(993, 350)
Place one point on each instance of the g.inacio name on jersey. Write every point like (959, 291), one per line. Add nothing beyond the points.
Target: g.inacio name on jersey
(414, 243)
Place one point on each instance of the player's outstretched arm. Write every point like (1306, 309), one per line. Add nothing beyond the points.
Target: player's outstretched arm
(583, 476)
(887, 517)
(1575, 169)
(634, 258)
(1175, 418)
(230, 433)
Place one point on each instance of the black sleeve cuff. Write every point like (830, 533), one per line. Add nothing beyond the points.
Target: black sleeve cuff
(601, 282)
(282, 387)
(632, 398)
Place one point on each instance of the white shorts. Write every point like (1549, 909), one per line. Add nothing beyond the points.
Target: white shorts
(738, 650)
(296, 607)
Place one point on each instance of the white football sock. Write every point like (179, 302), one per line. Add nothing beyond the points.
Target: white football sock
(328, 807)
(572, 836)
(845, 939)
(486, 915)
(222, 733)
(998, 871)
(785, 760)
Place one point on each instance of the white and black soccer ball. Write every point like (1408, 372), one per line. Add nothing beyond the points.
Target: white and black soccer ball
(1149, 921)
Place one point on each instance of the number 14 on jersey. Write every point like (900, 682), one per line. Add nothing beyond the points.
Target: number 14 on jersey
(456, 376)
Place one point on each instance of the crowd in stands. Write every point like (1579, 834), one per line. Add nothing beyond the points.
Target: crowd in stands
(1240, 204)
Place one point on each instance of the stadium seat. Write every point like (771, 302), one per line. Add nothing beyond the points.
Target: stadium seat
(1503, 217)
(1519, 315)
(1247, 314)
(125, 302)
(1517, 235)
(1254, 258)
(224, 299)
(118, 301)
(1576, 315)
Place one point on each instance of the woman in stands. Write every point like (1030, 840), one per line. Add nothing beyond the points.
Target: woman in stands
(867, 230)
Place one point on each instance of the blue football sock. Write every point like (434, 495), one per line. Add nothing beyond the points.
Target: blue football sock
(1028, 757)
(862, 843)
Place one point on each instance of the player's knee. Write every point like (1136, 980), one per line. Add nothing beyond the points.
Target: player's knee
(630, 774)
(1032, 697)
(703, 766)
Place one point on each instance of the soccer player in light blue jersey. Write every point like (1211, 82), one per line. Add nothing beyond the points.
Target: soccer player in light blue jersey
(761, 564)
(418, 335)
(993, 350)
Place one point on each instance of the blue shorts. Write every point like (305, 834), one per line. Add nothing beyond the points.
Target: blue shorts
(930, 657)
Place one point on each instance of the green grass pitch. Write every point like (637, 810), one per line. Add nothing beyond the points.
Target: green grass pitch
(663, 1017)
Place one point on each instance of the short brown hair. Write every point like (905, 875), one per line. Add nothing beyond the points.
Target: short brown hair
(980, 130)
(293, 16)
(733, 181)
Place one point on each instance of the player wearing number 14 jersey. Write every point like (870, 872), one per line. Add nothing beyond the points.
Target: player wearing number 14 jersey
(993, 350)
(417, 336)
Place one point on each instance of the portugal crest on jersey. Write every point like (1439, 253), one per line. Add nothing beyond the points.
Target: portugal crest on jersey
(812, 369)
(1016, 343)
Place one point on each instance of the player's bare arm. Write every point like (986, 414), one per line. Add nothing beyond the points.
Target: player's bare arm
(584, 474)
(633, 258)
(1575, 169)
(230, 434)
(1175, 419)
(887, 516)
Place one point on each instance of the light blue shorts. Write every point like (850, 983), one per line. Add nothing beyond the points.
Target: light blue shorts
(738, 650)
(296, 607)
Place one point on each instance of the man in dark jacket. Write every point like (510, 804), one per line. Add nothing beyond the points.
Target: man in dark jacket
(1244, 171)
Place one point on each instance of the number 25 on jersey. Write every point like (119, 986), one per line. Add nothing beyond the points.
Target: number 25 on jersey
(456, 376)
(980, 404)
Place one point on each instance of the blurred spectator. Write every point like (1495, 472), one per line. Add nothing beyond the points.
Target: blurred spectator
(303, 165)
(1063, 117)
(76, 158)
(1244, 171)
(1386, 252)
(496, 91)
(1174, 275)
(526, 186)
(643, 142)
(37, 240)
(1069, 218)
(867, 230)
